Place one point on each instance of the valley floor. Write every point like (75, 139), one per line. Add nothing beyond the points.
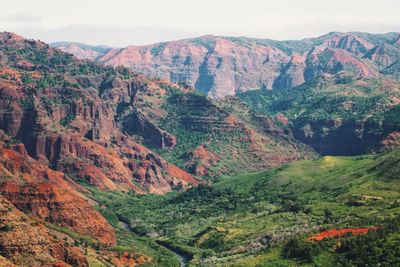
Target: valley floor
(269, 218)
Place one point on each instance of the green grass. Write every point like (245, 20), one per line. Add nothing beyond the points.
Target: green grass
(245, 220)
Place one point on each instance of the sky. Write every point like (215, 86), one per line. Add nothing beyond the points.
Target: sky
(137, 22)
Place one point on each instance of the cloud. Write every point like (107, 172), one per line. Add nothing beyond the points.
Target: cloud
(22, 18)
(141, 35)
(112, 36)
(126, 22)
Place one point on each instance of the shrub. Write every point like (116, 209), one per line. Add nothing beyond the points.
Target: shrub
(6, 228)
(298, 248)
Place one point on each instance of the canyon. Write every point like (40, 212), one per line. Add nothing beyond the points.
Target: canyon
(221, 66)
(92, 137)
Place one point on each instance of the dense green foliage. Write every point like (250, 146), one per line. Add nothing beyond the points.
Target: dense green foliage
(195, 121)
(263, 218)
(338, 116)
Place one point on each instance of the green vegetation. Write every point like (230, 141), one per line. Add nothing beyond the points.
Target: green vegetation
(321, 99)
(329, 114)
(67, 120)
(195, 120)
(6, 228)
(263, 219)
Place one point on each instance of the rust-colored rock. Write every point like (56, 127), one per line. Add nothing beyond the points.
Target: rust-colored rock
(222, 66)
(49, 195)
(202, 160)
(85, 130)
(25, 242)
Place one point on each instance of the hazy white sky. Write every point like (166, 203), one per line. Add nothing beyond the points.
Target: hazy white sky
(124, 22)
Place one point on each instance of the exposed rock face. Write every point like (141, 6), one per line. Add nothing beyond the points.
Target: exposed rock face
(81, 50)
(25, 242)
(6, 263)
(349, 42)
(61, 121)
(137, 123)
(333, 61)
(202, 160)
(214, 65)
(390, 142)
(292, 74)
(82, 123)
(48, 195)
(223, 138)
(221, 66)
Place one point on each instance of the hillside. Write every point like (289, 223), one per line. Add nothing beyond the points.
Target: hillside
(337, 115)
(208, 138)
(333, 92)
(63, 111)
(67, 124)
(221, 66)
(102, 166)
(58, 134)
(271, 218)
(81, 50)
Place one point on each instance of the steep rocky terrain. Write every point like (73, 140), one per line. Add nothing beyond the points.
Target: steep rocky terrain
(82, 51)
(67, 125)
(57, 128)
(26, 242)
(80, 140)
(357, 72)
(209, 138)
(48, 195)
(221, 66)
(64, 111)
(337, 115)
(176, 121)
(91, 122)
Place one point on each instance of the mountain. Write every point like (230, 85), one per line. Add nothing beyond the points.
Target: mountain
(56, 130)
(26, 241)
(102, 166)
(221, 66)
(67, 125)
(357, 73)
(209, 138)
(81, 50)
(338, 115)
(63, 111)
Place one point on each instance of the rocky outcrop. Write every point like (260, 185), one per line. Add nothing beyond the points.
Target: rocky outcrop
(390, 142)
(81, 50)
(334, 61)
(48, 195)
(292, 74)
(202, 161)
(137, 123)
(214, 65)
(25, 242)
(85, 122)
(349, 42)
(221, 66)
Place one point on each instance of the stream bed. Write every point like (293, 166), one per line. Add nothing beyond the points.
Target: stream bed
(183, 259)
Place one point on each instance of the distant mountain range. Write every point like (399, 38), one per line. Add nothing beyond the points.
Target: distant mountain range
(221, 66)
(85, 145)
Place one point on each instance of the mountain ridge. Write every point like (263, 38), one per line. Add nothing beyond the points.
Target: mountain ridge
(86, 149)
(221, 66)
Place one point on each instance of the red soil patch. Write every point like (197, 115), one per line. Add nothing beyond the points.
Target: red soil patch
(339, 232)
